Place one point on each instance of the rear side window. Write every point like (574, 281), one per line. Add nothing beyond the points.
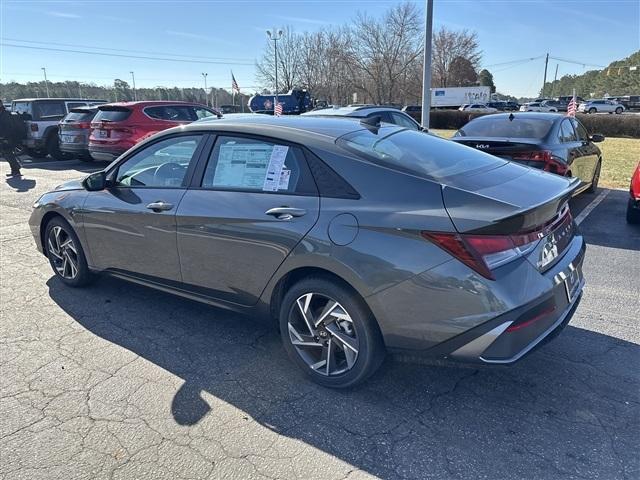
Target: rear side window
(238, 163)
(417, 153)
(49, 110)
(112, 115)
(403, 121)
(503, 127)
(175, 113)
(22, 107)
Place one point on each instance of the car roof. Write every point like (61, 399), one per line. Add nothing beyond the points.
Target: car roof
(536, 115)
(306, 130)
(360, 111)
(146, 103)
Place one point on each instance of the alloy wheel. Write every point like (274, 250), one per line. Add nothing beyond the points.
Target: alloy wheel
(63, 253)
(322, 332)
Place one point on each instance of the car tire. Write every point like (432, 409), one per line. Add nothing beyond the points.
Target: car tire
(53, 148)
(619, 111)
(596, 178)
(344, 347)
(592, 110)
(633, 214)
(65, 253)
(35, 153)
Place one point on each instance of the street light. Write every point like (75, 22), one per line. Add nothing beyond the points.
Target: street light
(206, 95)
(275, 36)
(46, 83)
(426, 72)
(135, 94)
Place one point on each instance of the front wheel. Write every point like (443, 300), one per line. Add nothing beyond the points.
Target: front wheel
(65, 253)
(633, 213)
(596, 178)
(328, 331)
(619, 110)
(592, 110)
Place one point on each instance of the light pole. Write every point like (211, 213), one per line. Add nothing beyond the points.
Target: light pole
(275, 36)
(46, 83)
(426, 74)
(135, 94)
(206, 95)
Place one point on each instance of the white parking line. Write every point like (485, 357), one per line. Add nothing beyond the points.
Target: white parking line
(589, 208)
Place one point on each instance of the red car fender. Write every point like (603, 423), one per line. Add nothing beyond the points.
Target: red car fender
(634, 189)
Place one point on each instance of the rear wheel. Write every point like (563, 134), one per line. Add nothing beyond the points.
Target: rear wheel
(65, 253)
(53, 148)
(595, 179)
(329, 333)
(619, 110)
(633, 214)
(592, 110)
(35, 153)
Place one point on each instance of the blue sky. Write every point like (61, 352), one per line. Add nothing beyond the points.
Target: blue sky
(594, 32)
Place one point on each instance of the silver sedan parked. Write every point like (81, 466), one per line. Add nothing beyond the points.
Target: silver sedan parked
(601, 106)
(359, 237)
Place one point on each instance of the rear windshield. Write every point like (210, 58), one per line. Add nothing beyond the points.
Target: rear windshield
(79, 116)
(503, 127)
(418, 153)
(115, 115)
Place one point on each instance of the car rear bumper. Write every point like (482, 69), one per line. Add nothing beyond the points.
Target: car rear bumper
(106, 153)
(467, 319)
(77, 148)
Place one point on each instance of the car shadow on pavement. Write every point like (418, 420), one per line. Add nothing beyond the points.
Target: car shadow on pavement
(606, 224)
(21, 184)
(569, 409)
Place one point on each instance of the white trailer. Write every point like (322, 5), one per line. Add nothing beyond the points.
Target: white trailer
(450, 97)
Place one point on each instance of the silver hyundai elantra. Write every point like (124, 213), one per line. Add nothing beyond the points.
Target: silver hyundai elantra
(361, 238)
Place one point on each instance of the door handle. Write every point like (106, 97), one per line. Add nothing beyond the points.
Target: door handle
(285, 213)
(160, 206)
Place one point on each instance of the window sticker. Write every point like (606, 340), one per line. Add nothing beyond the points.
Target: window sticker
(285, 176)
(274, 170)
(243, 165)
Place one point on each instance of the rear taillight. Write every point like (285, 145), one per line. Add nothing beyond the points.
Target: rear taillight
(483, 253)
(34, 127)
(545, 158)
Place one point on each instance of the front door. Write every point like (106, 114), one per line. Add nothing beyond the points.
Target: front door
(254, 203)
(131, 226)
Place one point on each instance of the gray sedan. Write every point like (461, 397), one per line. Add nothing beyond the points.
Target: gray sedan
(360, 238)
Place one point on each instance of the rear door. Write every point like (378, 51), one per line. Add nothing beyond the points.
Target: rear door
(573, 151)
(589, 152)
(251, 203)
(131, 226)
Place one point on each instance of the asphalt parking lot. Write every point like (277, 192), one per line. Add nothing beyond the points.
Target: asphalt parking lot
(117, 381)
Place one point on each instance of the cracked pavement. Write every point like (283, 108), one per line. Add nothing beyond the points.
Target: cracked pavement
(118, 381)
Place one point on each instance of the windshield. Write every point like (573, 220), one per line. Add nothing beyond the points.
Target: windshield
(503, 127)
(417, 153)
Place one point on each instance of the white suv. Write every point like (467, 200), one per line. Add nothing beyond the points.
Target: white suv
(43, 116)
(606, 106)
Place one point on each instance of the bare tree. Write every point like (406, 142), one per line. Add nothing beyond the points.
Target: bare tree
(449, 45)
(289, 47)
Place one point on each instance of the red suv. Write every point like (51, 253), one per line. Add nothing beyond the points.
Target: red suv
(119, 126)
(633, 207)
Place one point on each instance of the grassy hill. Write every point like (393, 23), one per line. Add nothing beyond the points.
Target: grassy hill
(617, 79)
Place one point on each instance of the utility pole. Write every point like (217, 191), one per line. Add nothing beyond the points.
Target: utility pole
(275, 36)
(426, 70)
(555, 77)
(46, 82)
(206, 95)
(135, 94)
(544, 81)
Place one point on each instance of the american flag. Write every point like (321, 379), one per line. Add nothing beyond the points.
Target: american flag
(234, 84)
(278, 109)
(572, 107)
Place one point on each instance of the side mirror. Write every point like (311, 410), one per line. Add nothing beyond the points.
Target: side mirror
(596, 138)
(95, 182)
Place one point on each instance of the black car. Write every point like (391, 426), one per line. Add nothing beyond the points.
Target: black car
(547, 141)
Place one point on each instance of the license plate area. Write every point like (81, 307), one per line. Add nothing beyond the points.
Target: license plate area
(572, 283)
(103, 133)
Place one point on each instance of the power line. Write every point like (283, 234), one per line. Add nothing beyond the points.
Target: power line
(521, 60)
(125, 56)
(577, 62)
(122, 50)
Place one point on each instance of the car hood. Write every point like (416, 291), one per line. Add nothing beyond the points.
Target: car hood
(506, 199)
(70, 185)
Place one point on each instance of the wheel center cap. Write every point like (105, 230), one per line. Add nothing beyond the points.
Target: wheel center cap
(323, 334)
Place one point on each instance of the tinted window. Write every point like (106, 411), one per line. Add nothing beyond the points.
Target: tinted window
(162, 164)
(200, 112)
(582, 133)
(503, 127)
(174, 113)
(417, 153)
(403, 121)
(71, 105)
(114, 115)
(567, 134)
(238, 163)
(21, 107)
(49, 110)
(79, 117)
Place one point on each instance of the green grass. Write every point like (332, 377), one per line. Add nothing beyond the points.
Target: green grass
(619, 158)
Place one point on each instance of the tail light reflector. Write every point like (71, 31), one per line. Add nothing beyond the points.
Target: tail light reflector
(544, 157)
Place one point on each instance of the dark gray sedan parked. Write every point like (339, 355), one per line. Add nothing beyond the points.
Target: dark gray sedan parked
(359, 238)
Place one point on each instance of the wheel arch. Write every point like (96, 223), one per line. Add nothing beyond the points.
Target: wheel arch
(46, 218)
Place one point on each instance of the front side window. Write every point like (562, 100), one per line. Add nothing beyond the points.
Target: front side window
(567, 134)
(200, 112)
(403, 121)
(162, 164)
(238, 163)
(581, 132)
